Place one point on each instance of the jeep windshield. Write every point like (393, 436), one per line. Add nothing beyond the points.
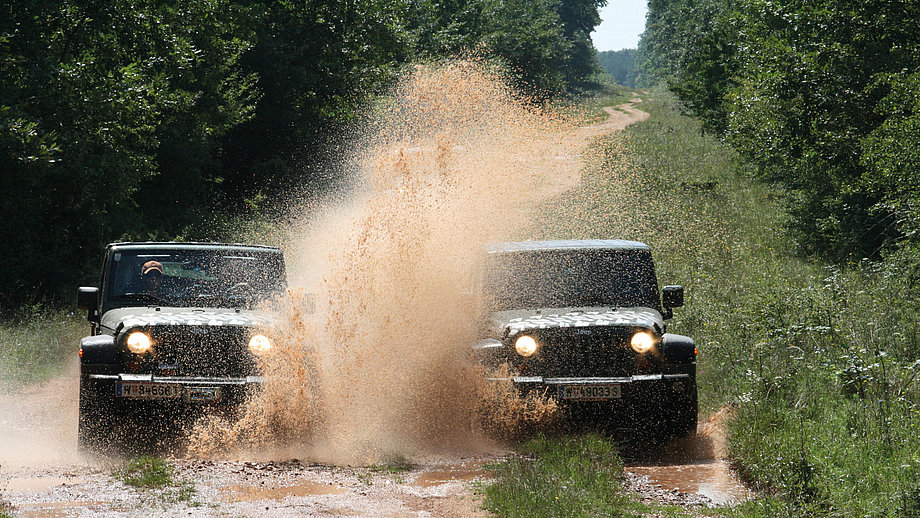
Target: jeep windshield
(570, 278)
(195, 278)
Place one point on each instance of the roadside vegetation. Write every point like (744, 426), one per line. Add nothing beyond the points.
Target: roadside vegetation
(838, 130)
(36, 344)
(564, 476)
(587, 107)
(158, 477)
(6, 510)
(817, 362)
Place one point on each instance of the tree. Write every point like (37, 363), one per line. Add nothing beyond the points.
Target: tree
(620, 64)
(90, 93)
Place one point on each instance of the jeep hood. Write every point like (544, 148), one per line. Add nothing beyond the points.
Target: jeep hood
(164, 316)
(512, 322)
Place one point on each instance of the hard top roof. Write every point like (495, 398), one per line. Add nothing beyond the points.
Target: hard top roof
(177, 245)
(571, 244)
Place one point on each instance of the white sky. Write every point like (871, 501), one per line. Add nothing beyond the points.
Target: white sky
(622, 21)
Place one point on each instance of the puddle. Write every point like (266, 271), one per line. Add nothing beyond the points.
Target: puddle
(461, 473)
(248, 493)
(713, 480)
(38, 483)
(55, 509)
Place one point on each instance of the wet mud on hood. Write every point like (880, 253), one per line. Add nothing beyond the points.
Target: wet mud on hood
(166, 316)
(517, 321)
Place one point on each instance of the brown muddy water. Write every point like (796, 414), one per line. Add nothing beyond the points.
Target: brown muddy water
(251, 493)
(695, 466)
(712, 479)
(382, 368)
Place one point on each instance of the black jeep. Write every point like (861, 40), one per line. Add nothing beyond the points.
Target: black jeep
(583, 322)
(160, 353)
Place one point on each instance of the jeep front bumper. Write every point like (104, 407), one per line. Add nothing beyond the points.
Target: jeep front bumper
(128, 387)
(634, 387)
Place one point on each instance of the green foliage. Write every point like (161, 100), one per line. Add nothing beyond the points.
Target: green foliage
(620, 64)
(153, 473)
(147, 472)
(99, 102)
(817, 128)
(311, 86)
(142, 119)
(36, 343)
(560, 476)
(891, 166)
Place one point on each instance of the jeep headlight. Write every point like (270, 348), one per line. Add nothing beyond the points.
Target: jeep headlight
(138, 342)
(525, 345)
(642, 342)
(259, 344)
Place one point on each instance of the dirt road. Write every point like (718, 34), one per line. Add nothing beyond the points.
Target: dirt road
(42, 474)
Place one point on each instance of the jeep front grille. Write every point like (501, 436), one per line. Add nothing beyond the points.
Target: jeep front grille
(582, 352)
(201, 351)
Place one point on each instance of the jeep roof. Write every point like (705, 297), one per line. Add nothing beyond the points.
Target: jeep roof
(172, 245)
(595, 244)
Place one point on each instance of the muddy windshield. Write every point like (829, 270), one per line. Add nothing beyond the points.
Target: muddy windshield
(194, 278)
(579, 278)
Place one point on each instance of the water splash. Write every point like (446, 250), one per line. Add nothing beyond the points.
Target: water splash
(453, 161)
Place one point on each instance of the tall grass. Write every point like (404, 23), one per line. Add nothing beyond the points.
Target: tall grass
(820, 362)
(563, 476)
(36, 344)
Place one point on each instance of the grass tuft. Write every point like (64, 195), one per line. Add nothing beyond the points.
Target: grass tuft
(152, 473)
(564, 476)
(147, 472)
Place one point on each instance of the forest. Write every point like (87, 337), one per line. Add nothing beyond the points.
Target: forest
(152, 119)
(822, 97)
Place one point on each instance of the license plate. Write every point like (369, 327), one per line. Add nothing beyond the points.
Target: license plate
(589, 392)
(136, 390)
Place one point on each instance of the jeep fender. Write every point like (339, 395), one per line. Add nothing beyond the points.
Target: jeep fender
(678, 348)
(98, 349)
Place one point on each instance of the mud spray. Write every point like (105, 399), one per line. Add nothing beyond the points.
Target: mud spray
(381, 367)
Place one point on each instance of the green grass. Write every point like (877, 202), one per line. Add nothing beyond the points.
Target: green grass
(153, 473)
(147, 472)
(818, 361)
(566, 476)
(37, 344)
(398, 464)
(588, 108)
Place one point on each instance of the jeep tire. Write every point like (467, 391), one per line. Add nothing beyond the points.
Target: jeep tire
(96, 422)
(683, 418)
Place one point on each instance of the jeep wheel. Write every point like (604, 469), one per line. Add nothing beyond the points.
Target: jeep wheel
(683, 418)
(95, 426)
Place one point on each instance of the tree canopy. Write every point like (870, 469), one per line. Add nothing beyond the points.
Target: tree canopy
(820, 95)
(135, 119)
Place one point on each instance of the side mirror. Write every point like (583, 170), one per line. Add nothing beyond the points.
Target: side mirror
(672, 296)
(88, 298)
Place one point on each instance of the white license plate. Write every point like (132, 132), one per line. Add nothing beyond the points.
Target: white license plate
(140, 390)
(589, 392)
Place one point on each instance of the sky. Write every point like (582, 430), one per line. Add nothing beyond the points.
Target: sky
(622, 21)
